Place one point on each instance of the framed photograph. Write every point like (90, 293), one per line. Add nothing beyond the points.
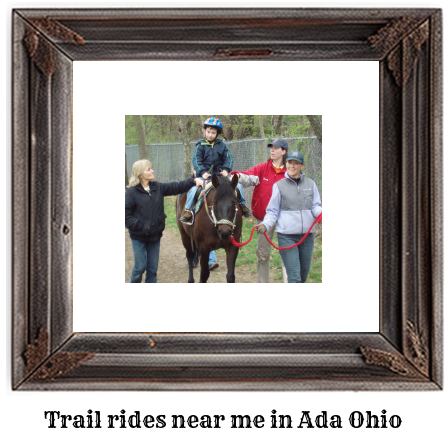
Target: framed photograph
(50, 352)
(176, 147)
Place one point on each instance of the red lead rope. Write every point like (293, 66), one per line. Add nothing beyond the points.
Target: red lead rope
(318, 219)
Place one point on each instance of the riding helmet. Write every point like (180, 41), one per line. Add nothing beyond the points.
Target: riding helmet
(214, 123)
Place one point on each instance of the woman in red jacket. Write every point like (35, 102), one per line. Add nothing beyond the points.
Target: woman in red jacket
(263, 176)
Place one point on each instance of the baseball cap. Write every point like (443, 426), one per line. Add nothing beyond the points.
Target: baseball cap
(296, 155)
(279, 143)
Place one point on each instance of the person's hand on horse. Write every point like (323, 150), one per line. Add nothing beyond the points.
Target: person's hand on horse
(206, 175)
(261, 229)
(198, 182)
(224, 173)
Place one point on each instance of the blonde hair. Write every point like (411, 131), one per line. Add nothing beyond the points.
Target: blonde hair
(138, 168)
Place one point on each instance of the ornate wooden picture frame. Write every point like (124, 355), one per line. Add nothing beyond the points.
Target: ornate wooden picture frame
(406, 353)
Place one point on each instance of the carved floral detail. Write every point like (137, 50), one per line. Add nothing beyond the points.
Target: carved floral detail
(395, 30)
(43, 367)
(402, 40)
(40, 49)
(418, 349)
(37, 351)
(395, 362)
(57, 30)
(413, 363)
(60, 364)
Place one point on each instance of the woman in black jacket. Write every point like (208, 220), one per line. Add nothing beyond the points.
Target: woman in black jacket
(145, 217)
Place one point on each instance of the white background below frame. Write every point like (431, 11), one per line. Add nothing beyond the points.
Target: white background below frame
(345, 93)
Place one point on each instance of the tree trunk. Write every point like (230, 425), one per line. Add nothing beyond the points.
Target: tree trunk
(183, 126)
(141, 138)
(126, 178)
(316, 124)
(277, 124)
(198, 131)
(265, 152)
(230, 128)
(260, 123)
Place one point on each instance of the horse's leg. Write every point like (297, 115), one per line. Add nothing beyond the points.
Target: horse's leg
(186, 238)
(190, 257)
(231, 255)
(204, 256)
(196, 256)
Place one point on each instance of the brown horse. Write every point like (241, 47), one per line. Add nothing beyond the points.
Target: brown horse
(213, 229)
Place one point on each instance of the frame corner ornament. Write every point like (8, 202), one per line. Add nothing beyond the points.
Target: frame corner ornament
(401, 57)
(37, 351)
(418, 349)
(41, 366)
(40, 50)
(395, 362)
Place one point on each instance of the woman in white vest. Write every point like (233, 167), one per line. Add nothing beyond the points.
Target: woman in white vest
(294, 205)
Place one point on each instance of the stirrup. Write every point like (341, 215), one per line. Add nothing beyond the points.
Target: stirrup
(185, 219)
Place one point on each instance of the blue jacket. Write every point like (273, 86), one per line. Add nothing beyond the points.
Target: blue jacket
(205, 155)
(294, 206)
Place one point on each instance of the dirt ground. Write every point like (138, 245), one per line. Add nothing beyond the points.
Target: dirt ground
(173, 265)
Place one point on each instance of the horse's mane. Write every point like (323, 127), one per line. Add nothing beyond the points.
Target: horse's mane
(224, 189)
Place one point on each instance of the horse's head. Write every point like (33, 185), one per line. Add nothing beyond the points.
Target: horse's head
(225, 205)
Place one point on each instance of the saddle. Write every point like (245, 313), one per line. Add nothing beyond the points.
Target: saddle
(198, 200)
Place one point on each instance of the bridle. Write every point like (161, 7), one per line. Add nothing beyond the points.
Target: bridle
(212, 216)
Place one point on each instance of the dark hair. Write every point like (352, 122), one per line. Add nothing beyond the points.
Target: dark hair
(210, 126)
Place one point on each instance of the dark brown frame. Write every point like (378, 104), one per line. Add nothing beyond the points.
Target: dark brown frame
(406, 353)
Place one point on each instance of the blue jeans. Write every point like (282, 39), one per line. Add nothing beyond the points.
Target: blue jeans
(192, 191)
(243, 199)
(146, 258)
(211, 258)
(297, 260)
